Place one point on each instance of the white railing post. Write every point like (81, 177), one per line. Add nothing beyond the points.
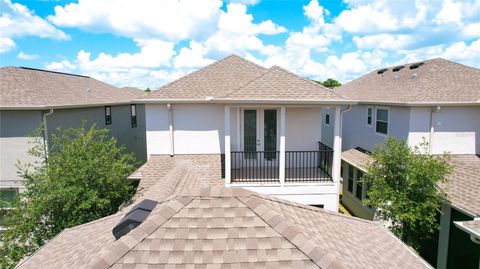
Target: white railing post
(282, 146)
(228, 164)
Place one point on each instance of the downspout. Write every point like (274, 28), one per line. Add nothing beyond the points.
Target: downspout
(432, 129)
(348, 108)
(170, 128)
(45, 131)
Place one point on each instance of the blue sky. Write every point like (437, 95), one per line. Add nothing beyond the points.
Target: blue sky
(147, 43)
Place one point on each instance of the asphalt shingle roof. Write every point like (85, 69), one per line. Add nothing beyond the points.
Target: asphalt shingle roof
(357, 158)
(218, 227)
(437, 81)
(32, 88)
(236, 79)
(463, 187)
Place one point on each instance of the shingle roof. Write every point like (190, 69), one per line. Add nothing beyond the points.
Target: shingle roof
(437, 81)
(277, 83)
(234, 78)
(33, 88)
(357, 158)
(463, 188)
(218, 227)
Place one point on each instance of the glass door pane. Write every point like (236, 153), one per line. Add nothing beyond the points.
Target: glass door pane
(270, 133)
(250, 133)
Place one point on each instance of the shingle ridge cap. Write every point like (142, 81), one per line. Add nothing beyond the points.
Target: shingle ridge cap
(301, 239)
(126, 243)
(207, 66)
(266, 71)
(307, 80)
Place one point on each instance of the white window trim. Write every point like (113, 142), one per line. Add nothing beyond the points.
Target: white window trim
(329, 119)
(366, 121)
(388, 121)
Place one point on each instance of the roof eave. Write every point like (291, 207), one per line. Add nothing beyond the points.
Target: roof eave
(43, 107)
(249, 101)
(393, 103)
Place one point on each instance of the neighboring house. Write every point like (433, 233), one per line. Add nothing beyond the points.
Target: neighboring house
(182, 221)
(436, 101)
(265, 124)
(31, 97)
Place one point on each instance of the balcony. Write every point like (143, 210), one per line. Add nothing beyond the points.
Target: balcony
(261, 167)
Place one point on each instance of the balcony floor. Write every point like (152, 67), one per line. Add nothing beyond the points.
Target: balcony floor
(270, 175)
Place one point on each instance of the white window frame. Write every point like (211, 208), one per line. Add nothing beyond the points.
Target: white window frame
(329, 119)
(388, 120)
(371, 116)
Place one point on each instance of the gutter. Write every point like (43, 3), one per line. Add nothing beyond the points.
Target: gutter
(248, 101)
(45, 130)
(42, 107)
(474, 235)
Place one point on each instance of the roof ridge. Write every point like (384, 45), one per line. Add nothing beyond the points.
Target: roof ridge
(290, 231)
(308, 207)
(208, 66)
(247, 83)
(307, 80)
(114, 251)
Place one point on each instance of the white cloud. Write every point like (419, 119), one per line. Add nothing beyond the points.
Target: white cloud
(63, 65)
(383, 41)
(17, 20)
(237, 21)
(167, 19)
(25, 56)
(451, 12)
(6, 44)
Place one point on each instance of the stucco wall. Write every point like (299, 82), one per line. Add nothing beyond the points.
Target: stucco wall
(15, 126)
(199, 129)
(133, 138)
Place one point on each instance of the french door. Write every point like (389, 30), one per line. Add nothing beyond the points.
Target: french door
(260, 133)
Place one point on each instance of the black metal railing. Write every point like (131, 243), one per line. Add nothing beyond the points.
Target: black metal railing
(255, 166)
(303, 166)
(326, 158)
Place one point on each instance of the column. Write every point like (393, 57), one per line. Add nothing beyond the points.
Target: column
(282, 146)
(228, 164)
(443, 236)
(337, 146)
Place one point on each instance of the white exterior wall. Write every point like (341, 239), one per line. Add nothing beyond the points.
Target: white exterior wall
(198, 129)
(303, 128)
(455, 129)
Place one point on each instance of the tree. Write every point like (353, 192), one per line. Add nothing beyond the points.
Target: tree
(331, 83)
(147, 90)
(83, 179)
(402, 185)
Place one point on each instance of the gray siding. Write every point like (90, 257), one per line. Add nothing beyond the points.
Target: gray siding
(356, 133)
(17, 125)
(132, 138)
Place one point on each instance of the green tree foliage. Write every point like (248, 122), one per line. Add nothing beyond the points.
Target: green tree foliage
(329, 83)
(147, 90)
(83, 179)
(403, 187)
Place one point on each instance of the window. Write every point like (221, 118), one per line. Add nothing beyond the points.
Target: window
(327, 119)
(108, 115)
(381, 125)
(133, 113)
(369, 116)
(359, 192)
(351, 175)
(7, 197)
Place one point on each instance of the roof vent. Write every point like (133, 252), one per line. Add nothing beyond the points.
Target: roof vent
(415, 66)
(133, 218)
(398, 68)
(414, 75)
(381, 71)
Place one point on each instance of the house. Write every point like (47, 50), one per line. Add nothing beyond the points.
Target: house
(434, 101)
(189, 219)
(263, 124)
(32, 97)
